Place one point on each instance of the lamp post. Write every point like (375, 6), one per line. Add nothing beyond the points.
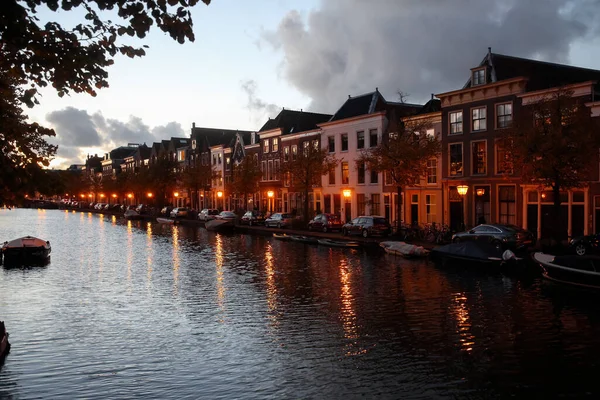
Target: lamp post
(462, 191)
(219, 196)
(270, 195)
(129, 197)
(176, 195)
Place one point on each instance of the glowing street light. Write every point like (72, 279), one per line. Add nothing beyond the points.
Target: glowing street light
(270, 194)
(462, 189)
(101, 195)
(149, 194)
(347, 193)
(129, 195)
(219, 194)
(90, 195)
(480, 192)
(82, 196)
(114, 196)
(176, 194)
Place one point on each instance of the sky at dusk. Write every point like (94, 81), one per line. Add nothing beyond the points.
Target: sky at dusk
(251, 58)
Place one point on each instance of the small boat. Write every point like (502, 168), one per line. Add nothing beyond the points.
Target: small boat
(282, 236)
(338, 243)
(219, 225)
(4, 344)
(304, 239)
(404, 249)
(473, 253)
(165, 221)
(27, 250)
(132, 214)
(571, 269)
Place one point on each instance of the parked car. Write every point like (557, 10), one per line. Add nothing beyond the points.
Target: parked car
(166, 211)
(227, 216)
(367, 226)
(208, 214)
(179, 212)
(325, 223)
(280, 220)
(583, 245)
(253, 218)
(501, 236)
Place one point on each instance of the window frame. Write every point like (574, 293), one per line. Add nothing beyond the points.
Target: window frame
(429, 174)
(331, 144)
(360, 144)
(484, 119)
(496, 159)
(361, 171)
(500, 202)
(286, 154)
(371, 135)
(497, 115)
(430, 206)
(476, 73)
(450, 123)
(345, 168)
(266, 145)
(342, 137)
(275, 145)
(462, 161)
(485, 161)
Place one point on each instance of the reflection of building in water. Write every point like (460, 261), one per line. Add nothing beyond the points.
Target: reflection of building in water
(271, 288)
(176, 259)
(219, 273)
(149, 251)
(347, 310)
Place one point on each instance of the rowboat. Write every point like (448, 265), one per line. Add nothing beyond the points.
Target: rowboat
(165, 221)
(575, 270)
(27, 250)
(404, 249)
(4, 344)
(304, 239)
(338, 243)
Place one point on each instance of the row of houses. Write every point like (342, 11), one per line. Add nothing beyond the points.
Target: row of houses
(467, 121)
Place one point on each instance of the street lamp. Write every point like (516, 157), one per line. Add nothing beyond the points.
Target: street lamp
(114, 196)
(149, 194)
(129, 195)
(270, 195)
(462, 189)
(347, 193)
(480, 191)
(101, 195)
(176, 194)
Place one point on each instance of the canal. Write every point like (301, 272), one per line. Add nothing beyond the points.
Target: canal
(143, 310)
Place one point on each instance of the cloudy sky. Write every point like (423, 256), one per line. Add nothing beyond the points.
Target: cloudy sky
(251, 58)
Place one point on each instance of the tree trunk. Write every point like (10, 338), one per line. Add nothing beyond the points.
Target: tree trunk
(556, 216)
(399, 209)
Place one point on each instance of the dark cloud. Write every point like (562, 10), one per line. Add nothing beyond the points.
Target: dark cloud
(77, 129)
(74, 127)
(259, 109)
(421, 46)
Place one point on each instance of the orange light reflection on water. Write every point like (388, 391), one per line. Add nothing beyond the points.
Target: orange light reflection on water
(176, 259)
(219, 272)
(271, 286)
(460, 310)
(149, 251)
(347, 310)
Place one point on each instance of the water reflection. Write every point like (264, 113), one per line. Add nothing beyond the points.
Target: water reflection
(459, 308)
(176, 259)
(271, 288)
(149, 252)
(347, 312)
(219, 276)
(129, 251)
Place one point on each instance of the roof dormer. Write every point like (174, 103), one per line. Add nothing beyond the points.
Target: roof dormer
(478, 76)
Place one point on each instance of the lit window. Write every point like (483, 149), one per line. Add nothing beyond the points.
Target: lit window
(430, 211)
(456, 159)
(479, 158)
(266, 146)
(345, 173)
(432, 171)
(275, 145)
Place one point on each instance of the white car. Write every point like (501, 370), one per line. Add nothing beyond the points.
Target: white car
(208, 214)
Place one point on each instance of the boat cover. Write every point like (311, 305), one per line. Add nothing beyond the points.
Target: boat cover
(470, 249)
(403, 248)
(588, 263)
(27, 241)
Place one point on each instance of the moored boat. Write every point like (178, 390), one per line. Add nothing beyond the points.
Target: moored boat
(165, 221)
(219, 225)
(27, 250)
(338, 243)
(570, 269)
(4, 344)
(304, 239)
(473, 253)
(404, 249)
(132, 214)
(282, 236)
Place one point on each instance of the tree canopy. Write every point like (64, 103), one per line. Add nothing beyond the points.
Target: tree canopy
(553, 143)
(403, 155)
(245, 178)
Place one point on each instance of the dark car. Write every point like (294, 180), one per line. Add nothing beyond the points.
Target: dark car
(325, 222)
(583, 245)
(367, 226)
(280, 220)
(208, 214)
(501, 236)
(253, 218)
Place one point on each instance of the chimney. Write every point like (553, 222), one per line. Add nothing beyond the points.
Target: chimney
(193, 125)
(431, 96)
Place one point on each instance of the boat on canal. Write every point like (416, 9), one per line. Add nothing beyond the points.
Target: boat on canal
(219, 225)
(282, 236)
(165, 221)
(132, 215)
(304, 239)
(4, 344)
(338, 243)
(27, 250)
(474, 254)
(404, 249)
(575, 270)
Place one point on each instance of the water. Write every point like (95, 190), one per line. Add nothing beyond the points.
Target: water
(142, 310)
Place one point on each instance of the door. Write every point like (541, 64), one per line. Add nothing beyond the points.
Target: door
(456, 216)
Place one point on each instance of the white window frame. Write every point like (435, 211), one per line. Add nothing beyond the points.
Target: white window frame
(451, 114)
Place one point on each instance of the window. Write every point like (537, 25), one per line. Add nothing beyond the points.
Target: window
(360, 203)
(373, 138)
(294, 152)
(479, 162)
(478, 122)
(305, 147)
(503, 115)
(286, 179)
(360, 139)
(502, 159)
(432, 171)
(375, 204)
(219, 158)
(214, 159)
(374, 176)
(456, 159)
(275, 145)
(276, 170)
(456, 123)
(361, 173)
(227, 163)
(270, 170)
(263, 168)
(508, 205)
(332, 176)
(331, 141)
(315, 144)
(345, 173)
(478, 77)
(266, 146)
(286, 153)
(255, 158)
(430, 211)
(344, 142)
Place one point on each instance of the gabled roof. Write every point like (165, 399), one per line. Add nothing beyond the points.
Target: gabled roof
(291, 121)
(540, 74)
(215, 136)
(432, 105)
(370, 103)
(121, 152)
(177, 143)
